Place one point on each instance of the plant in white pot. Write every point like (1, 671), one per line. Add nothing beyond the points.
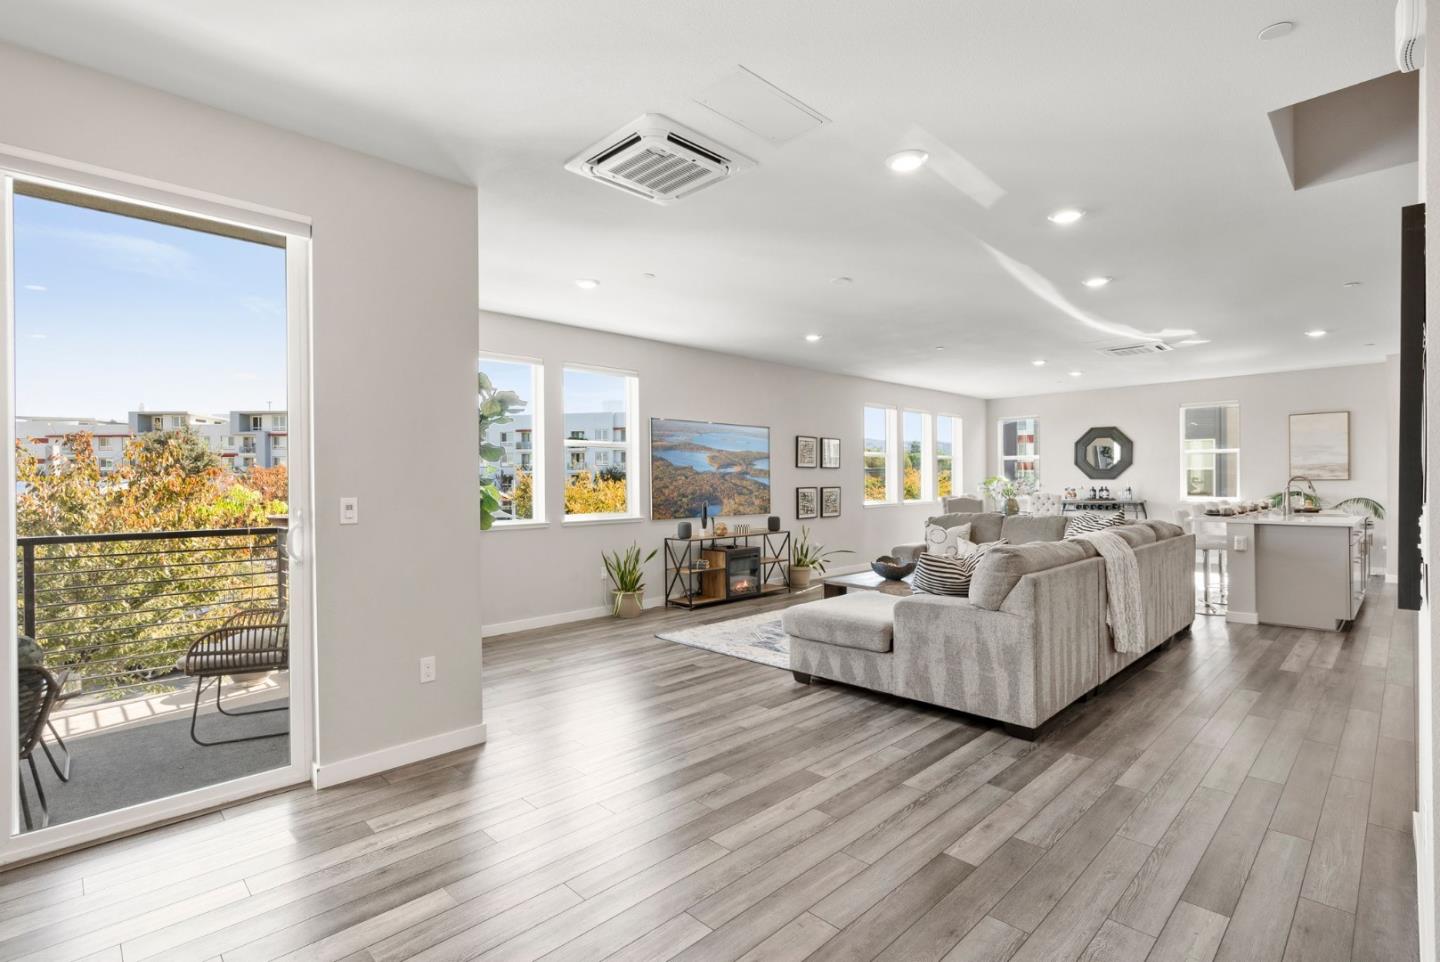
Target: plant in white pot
(627, 573)
(809, 558)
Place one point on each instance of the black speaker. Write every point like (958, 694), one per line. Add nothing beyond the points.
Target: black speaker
(682, 530)
(774, 522)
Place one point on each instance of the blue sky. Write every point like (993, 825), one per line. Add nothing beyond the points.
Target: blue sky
(111, 312)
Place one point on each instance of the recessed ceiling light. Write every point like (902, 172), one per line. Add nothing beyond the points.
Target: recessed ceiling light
(842, 279)
(1066, 215)
(1352, 284)
(940, 347)
(648, 276)
(1095, 282)
(1077, 373)
(587, 283)
(907, 161)
(1038, 362)
(1192, 341)
(1317, 332)
(812, 338)
(1277, 30)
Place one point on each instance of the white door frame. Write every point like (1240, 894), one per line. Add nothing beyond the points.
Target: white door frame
(26, 165)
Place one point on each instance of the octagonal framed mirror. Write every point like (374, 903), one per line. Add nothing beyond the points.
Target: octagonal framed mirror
(1104, 453)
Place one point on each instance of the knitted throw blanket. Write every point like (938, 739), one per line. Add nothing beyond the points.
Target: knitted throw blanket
(1125, 612)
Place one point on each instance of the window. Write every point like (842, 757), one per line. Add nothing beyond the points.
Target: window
(256, 422)
(949, 432)
(279, 422)
(1020, 449)
(880, 485)
(509, 410)
(600, 408)
(917, 465)
(1210, 450)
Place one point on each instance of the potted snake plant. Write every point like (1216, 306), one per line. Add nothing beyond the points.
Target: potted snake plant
(627, 574)
(809, 558)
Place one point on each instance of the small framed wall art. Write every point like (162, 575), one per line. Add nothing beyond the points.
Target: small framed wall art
(806, 503)
(830, 502)
(807, 451)
(829, 452)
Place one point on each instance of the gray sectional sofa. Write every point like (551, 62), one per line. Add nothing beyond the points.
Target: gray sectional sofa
(1029, 640)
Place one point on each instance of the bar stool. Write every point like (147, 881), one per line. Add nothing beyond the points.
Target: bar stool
(1209, 536)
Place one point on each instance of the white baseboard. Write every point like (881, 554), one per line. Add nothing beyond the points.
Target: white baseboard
(361, 766)
(601, 611)
(1243, 617)
(1425, 887)
(1391, 578)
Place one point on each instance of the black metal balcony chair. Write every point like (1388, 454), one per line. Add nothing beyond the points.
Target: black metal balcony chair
(251, 641)
(37, 690)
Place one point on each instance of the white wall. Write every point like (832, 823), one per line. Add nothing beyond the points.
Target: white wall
(541, 575)
(1149, 414)
(394, 281)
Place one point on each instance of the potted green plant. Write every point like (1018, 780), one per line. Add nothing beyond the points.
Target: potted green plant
(627, 573)
(808, 558)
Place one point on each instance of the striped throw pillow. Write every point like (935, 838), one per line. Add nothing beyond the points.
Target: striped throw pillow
(938, 574)
(1083, 522)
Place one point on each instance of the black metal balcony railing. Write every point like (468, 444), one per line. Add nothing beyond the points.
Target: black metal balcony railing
(117, 610)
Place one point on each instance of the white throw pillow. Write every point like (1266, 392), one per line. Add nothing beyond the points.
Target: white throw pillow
(952, 542)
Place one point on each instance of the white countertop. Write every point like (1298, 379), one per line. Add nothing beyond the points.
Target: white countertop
(1325, 519)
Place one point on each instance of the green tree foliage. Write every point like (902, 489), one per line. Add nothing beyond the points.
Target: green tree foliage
(496, 408)
(119, 613)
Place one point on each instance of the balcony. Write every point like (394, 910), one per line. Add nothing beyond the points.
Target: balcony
(113, 613)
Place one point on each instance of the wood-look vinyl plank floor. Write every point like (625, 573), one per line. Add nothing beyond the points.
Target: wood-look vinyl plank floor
(1244, 794)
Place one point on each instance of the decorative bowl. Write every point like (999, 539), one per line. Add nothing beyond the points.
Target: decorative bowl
(891, 568)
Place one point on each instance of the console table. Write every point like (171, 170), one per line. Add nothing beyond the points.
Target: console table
(688, 584)
(1132, 509)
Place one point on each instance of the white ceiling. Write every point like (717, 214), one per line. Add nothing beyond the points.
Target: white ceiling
(1150, 115)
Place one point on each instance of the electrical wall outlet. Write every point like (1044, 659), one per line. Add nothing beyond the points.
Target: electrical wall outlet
(349, 510)
(1242, 542)
(427, 669)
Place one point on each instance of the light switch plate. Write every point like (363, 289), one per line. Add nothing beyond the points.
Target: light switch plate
(349, 510)
(427, 669)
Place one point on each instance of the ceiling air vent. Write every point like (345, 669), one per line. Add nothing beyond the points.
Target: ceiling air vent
(1134, 350)
(657, 159)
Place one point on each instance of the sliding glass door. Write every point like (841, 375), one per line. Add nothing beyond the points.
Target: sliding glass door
(158, 654)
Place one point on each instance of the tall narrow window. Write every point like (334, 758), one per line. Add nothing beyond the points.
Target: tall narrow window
(880, 487)
(1020, 449)
(600, 410)
(1210, 450)
(948, 433)
(917, 480)
(511, 422)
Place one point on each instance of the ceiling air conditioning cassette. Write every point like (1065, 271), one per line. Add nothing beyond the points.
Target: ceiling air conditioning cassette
(659, 160)
(1410, 34)
(1135, 350)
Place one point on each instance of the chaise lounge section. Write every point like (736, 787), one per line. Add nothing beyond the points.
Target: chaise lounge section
(1030, 639)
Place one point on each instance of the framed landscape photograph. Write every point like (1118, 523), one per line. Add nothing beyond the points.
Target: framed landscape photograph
(697, 463)
(830, 502)
(807, 451)
(829, 452)
(1320, 445)
(805, 503)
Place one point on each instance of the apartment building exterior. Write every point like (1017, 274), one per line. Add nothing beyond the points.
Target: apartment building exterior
(242, 439)
(517, 439)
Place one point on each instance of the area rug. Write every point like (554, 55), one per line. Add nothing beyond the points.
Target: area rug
(758, 638)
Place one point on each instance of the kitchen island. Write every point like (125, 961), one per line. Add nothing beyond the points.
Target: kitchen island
(1304, 570)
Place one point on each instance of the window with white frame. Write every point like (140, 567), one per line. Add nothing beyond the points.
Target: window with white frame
(949, 432)
(879, 430)
(511, 416)
(1019, 442)
(1210, 450)
(600, 411)
(917, 464)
